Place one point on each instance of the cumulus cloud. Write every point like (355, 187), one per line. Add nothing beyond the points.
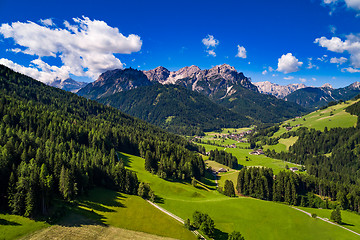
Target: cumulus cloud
(241, 52)
(350, 45)
(85, 48)
(210, 41)
(354, 4)
(47, 22)
(288, 63)
(339, 61)
(264, 72)
(211, 52)
(350, 70)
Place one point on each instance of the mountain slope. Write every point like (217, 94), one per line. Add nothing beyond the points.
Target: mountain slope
(265, 108)
(221, 84)
(312, 97)
(114, 81)
(175, 108)
(277, 90)
(68, 84)
(57, 144)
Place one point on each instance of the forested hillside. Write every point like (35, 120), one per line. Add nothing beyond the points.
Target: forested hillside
(331, 158)
(56, 144)
(175, 109)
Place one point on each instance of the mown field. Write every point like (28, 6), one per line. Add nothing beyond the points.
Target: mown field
(13, 226)
(255, 219)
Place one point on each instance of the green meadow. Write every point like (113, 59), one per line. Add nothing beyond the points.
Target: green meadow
(246, 159)
(13, 226)
(255, 219)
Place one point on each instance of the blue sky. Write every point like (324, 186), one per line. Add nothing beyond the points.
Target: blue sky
(309, 41)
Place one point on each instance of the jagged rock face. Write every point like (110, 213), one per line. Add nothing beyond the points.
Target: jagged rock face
(354, 86)
(115, 81)
(278, 90)
(159, 74)
(327, 85)
(68, 84)
(217, 81)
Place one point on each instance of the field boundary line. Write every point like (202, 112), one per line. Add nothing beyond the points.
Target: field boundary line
(174, 216)
(326, 220)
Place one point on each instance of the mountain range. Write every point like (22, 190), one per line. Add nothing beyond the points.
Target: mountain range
(68, 84)
(309, 97)
(220, 89)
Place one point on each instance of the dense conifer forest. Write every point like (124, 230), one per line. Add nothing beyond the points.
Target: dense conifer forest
(54, 144)
(331, 158)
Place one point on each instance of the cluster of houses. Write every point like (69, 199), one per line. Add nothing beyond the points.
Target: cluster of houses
(238, 136)
(288, 128)
(257, 152)
(294, 169)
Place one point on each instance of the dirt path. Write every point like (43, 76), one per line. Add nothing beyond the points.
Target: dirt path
(326, 220)
(174, 216)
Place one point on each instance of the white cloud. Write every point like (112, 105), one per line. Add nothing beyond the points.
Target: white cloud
(289, 78)
(302, 80)
(47, 22)
(241, 52)
(323, 58)
(311, 65)
(351, 45)
(354, 4)
(264, 72)
(271, 69)
(86, 48)
(211, 52)
(350, 70)
(332, 29)
(314, 79)
(210, 41)
(339, 61)
(288, 64)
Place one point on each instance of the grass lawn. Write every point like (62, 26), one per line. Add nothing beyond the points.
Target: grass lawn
(255, 219)
(254, 160)
(331, 117)
(78, 227)
(283, 145)
(350, 220)
(130, 212)
(232, 176)
(13, 226)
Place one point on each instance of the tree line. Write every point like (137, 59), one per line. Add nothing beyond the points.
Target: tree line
(224, 158)
(54, 144)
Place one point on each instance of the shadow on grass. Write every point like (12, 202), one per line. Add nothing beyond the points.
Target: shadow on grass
(159, 199)
(220, 235)
(125, 159)
(6, 222)
(347, 224)
(102, 196)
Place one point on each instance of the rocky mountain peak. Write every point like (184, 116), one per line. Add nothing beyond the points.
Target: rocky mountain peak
(355, 85)
(67, 84)
(159, 74)
(278, 90)
(327, 85)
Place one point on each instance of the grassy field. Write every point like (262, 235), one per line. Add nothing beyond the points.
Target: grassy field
(130, 212)
(75, 226)
(350, 220)
(253, 160)
(13, 226)
(255, 219)
(334, 116)
(283, 145)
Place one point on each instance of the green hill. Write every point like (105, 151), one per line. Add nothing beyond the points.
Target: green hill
(57, 145)
(175, 109)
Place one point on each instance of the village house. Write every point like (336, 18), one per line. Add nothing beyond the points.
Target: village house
(294, 169)
(257, 152)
